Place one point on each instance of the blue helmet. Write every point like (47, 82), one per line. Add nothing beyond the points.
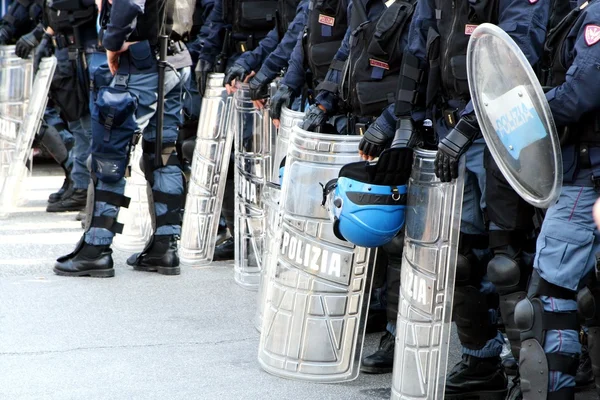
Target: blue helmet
(367, 208)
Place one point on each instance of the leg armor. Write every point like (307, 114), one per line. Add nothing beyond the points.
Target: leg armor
(509, 271)
(535, 323)
(471, 307)
(394, 251)
(588, 306)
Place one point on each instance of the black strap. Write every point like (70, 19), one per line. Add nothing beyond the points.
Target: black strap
(109, 223)
(362, 198)
(564, 363)
(112, 198)
(566, 393)
(560, 321)
(545, 288)
(172, 201)
(170, 218)
(337, 65)
(328, 86)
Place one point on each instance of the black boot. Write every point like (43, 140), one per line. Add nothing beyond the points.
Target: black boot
(382, 361)
(160, 256)
(225, 251)
(477, 378)
(584, 377)
(72, 200)
(86, 260)
(56, 196)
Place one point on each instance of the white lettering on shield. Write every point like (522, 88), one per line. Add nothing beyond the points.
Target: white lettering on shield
(312, 257)
(248, 190)
(416, 288)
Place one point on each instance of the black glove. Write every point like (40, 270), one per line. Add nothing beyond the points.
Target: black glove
(203, 68)
(259, 86)
(454, 145)
(235, 72)
(29, 41)
(5, 35)
(43, 50)
(314, 118)
(374, 141)
(283, 97)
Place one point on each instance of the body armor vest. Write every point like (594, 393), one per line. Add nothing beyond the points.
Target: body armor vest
(286, 12)
(325, 30)
(373, 66)
(66, 15)
(586, 132)
(456, 20)
(250, 17)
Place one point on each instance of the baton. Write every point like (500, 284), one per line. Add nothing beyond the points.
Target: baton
(160, 108)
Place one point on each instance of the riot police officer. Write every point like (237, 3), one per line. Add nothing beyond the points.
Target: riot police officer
(315, 48)
(433, 91)
(19, 19)
(563, 281)
(361, 81)
(125, 103)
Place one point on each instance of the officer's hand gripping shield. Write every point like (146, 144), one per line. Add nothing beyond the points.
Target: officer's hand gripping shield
(318, 286)
(15, 145)
(427, 279)
(254, 145)
(209, 170)
(137, 224)
(514, 116)
(288, 120)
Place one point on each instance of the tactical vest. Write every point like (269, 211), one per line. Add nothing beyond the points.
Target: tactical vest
(325, 30)
(456, 20)
(286, 12)
(250, 17)
(149, 24)
(373, 66)
(66, 15)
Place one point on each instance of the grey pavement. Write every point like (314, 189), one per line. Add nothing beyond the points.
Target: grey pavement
(137, 335)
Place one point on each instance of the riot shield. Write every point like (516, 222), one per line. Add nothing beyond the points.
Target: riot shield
(15, 150)
(514, 116)
(427, 281)
(137, 224)
(288, 120)
(207, 182)
(318, 286)
(254, 143)
(270, 200)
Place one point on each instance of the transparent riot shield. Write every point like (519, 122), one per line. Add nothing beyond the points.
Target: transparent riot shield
(16, 150)
(514, 116)
(254, 145)
(427, 281)
(207, 183)
(270, 200)
(288, 120)
(318, 286)
(137, 224)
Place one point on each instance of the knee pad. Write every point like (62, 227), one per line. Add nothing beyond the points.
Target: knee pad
(594, 352)
(187, 149)
(533, 322)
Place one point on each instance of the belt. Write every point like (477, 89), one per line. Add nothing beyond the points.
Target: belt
(61, 41)
(175, 48)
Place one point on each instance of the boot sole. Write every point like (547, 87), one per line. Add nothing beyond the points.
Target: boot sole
(99, 273)
(160, 270)
(479, 395)
(71, 209)
(376, 370)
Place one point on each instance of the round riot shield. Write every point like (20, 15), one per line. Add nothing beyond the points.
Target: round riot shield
(514, 116)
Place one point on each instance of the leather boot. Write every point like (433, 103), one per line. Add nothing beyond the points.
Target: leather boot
(87, 260)
(382, 361)
(72, 200)
(225, 251)
(56, 196)
(584, 377)
(160, 256)
(477, 378)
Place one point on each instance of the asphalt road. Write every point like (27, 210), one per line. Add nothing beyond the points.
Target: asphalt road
(137, 335)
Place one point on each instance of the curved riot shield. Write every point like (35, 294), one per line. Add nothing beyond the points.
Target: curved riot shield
(427, 281)
(514, 116)
(254, 144)
(318, 287)
(288, 120)
(15, 150)
(137, 225)
(207, 183)
(270, 199)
